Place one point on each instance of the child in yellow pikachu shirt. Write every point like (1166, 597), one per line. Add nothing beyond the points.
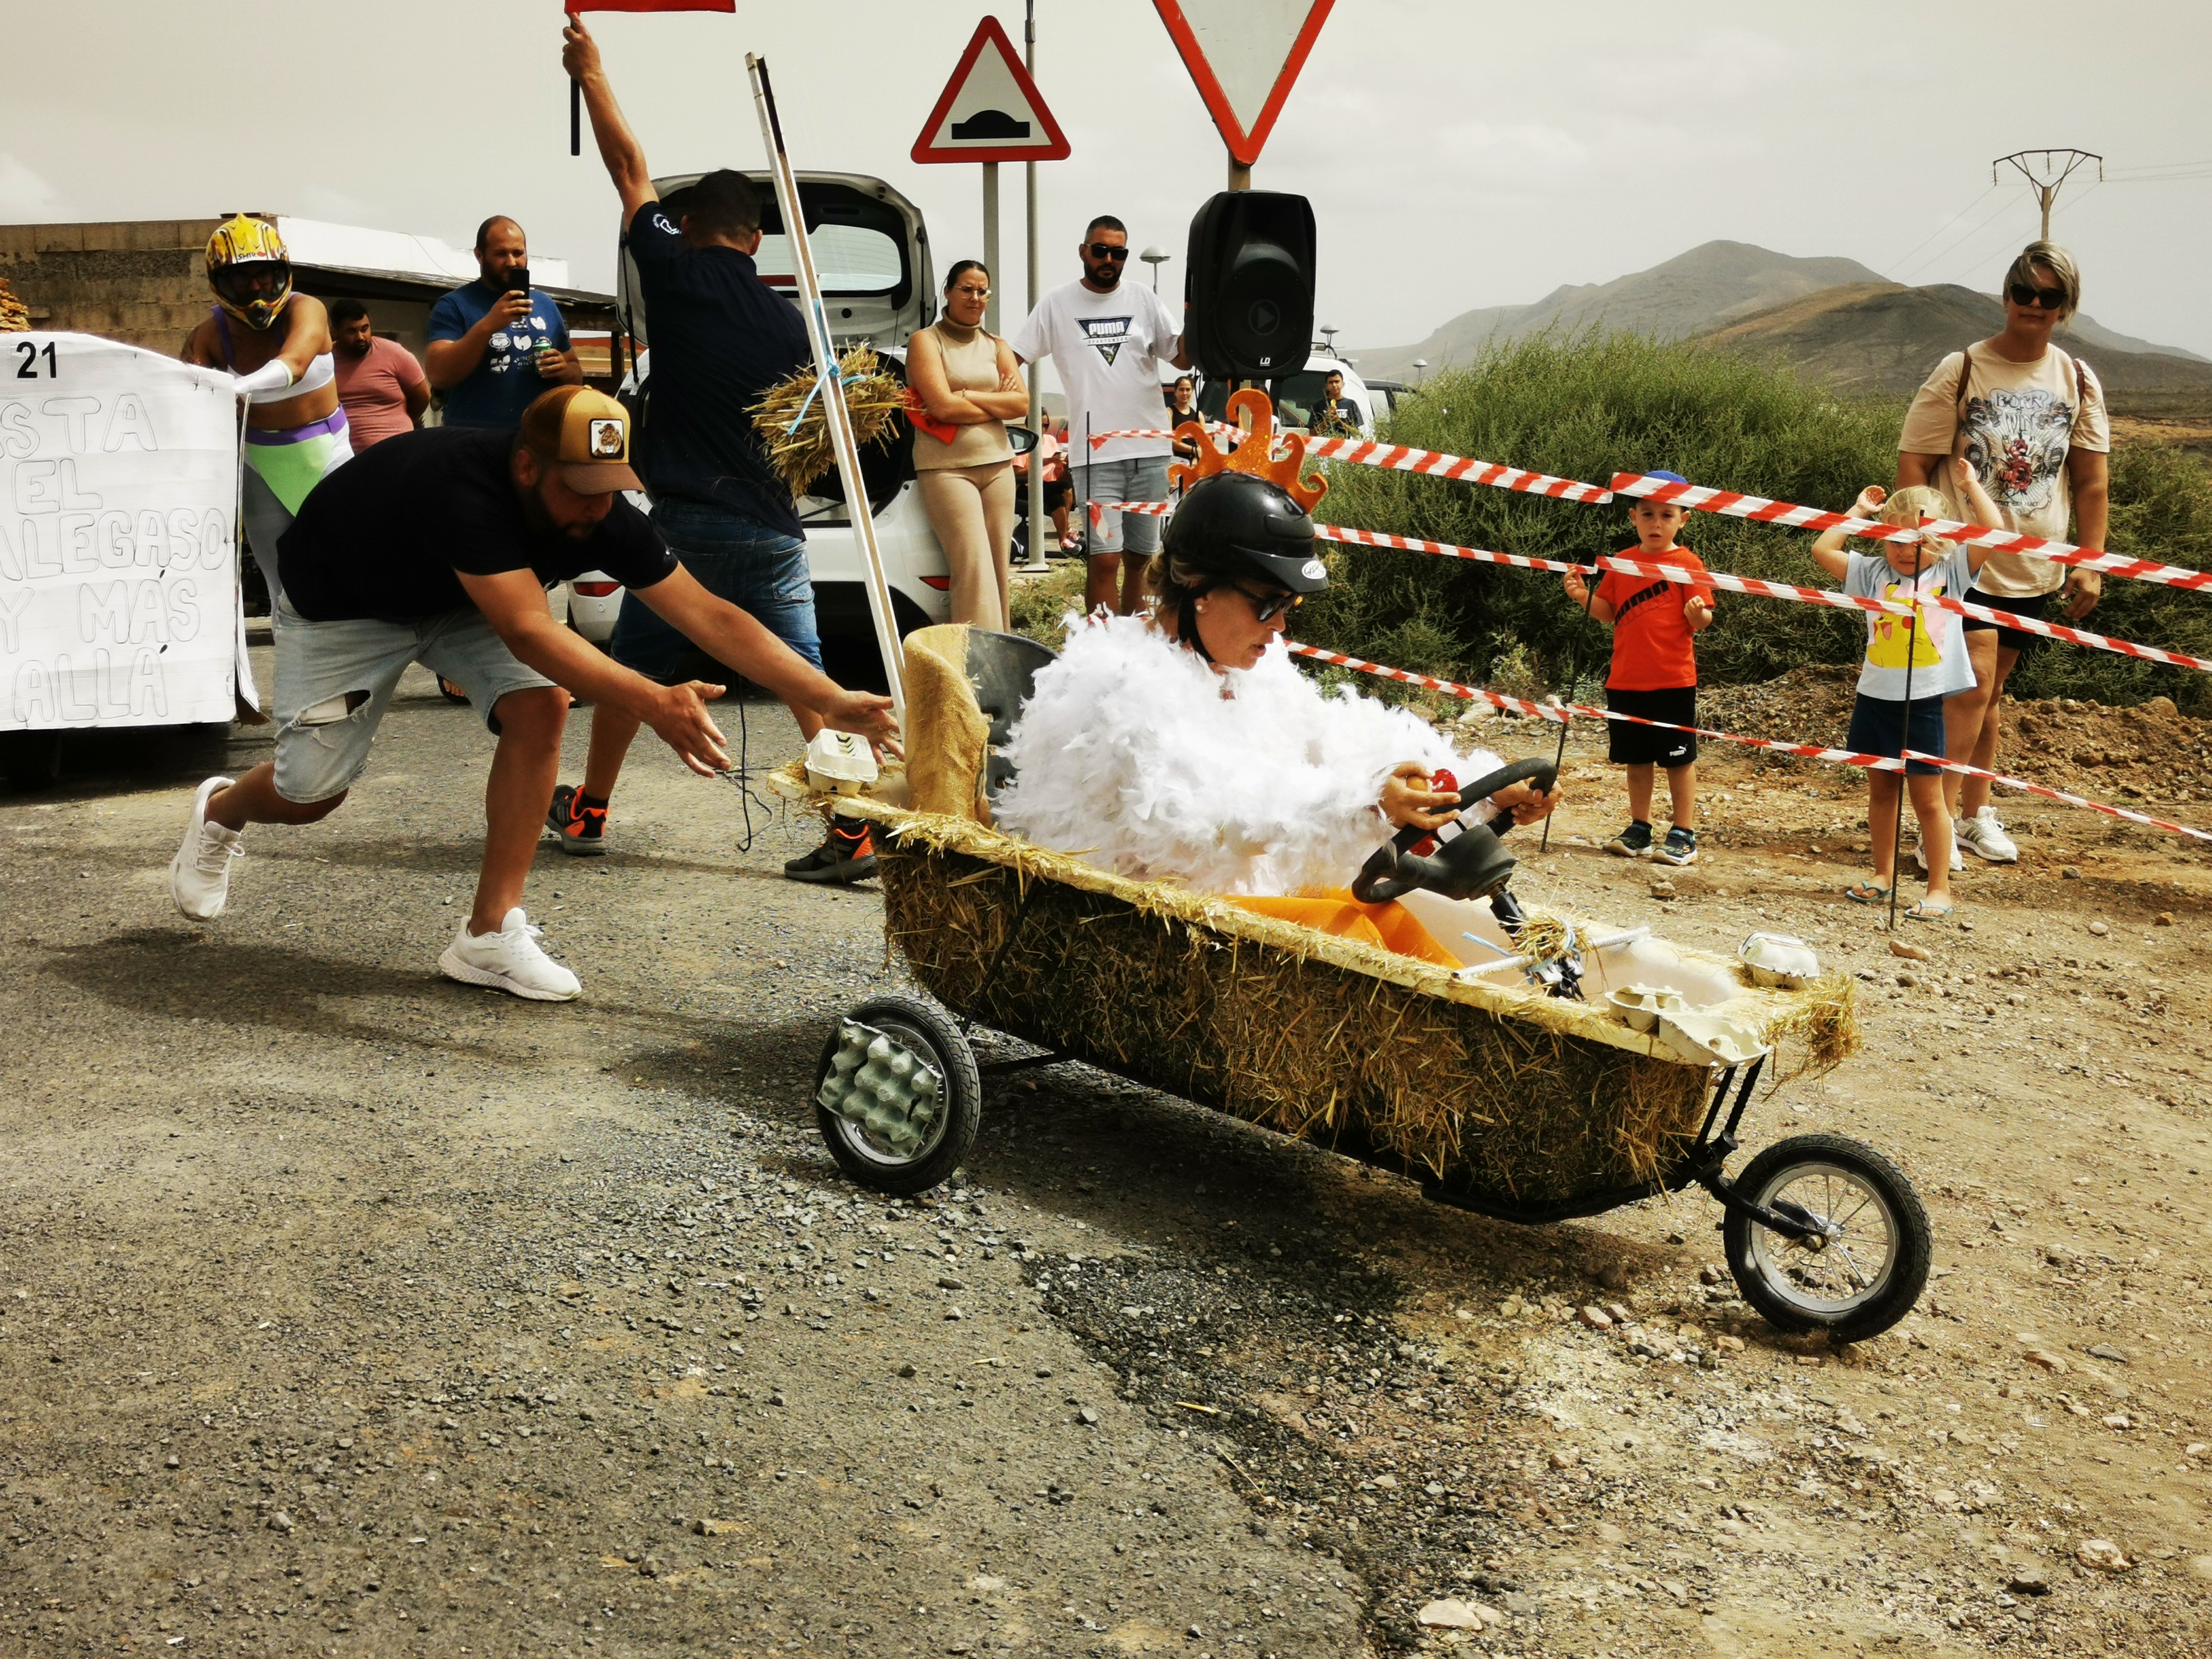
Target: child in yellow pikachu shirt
(1912, 663)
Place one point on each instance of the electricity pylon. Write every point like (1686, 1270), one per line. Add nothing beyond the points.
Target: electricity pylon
(2045, 169)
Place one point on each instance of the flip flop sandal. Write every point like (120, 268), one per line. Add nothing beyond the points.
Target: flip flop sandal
(1921, 912)
(1865, 892)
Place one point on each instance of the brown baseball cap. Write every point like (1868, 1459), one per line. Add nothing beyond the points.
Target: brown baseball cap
(584, 433)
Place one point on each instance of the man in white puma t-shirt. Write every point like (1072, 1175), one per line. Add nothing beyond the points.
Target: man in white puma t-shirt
(1108, 339)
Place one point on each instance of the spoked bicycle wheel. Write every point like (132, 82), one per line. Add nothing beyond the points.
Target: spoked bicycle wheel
(898, 1094)
(1869, 1262)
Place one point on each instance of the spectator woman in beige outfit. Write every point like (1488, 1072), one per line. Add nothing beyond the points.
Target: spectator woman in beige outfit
(970, 386)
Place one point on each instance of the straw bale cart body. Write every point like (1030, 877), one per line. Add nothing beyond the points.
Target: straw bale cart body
(1496, 1098)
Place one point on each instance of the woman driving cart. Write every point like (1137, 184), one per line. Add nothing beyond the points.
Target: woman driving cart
(1187, 746)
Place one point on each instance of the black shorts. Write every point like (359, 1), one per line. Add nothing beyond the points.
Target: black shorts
(1646, 745)
(2008, 638)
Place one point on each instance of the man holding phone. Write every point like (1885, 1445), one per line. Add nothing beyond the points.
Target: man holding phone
(493, 344)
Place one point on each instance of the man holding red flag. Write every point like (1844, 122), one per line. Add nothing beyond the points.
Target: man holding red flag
(721, 337)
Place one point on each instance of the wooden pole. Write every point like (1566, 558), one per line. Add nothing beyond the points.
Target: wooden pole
(833, 389)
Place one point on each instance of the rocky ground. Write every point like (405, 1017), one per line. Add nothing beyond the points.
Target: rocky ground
(345, 1310)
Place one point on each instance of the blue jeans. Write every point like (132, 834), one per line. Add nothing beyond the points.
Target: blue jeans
(760, 571)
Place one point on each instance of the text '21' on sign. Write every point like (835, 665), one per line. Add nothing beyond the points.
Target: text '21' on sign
(1245, 55)
(991, 110)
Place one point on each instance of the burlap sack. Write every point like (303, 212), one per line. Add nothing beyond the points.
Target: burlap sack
(947, 735)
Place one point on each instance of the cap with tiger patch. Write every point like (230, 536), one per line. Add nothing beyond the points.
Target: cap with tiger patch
(586, 434)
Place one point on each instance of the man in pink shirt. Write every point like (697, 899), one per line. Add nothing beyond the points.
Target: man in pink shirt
(381, 386)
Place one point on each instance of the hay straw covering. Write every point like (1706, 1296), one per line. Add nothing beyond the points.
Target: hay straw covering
(1487, 1087)
(799, 456)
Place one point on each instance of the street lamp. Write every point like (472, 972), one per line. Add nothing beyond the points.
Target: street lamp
(1419, 363)
(1156, 256)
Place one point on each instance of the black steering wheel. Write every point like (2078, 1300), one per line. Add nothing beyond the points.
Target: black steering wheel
(1468, 864)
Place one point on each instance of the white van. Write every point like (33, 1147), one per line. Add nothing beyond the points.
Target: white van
(1296, 395)
(872, 251)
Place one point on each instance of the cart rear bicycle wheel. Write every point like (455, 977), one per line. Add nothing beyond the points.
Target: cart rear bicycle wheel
(1870, 1263)
(898, 1094)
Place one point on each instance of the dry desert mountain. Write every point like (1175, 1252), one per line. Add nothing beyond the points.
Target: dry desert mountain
(1831, 318)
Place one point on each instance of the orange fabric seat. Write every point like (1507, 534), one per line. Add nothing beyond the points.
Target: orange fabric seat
(1333, 911)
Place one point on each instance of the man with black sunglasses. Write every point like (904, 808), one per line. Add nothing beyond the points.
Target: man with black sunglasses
(1108, 339)
(2031, 420)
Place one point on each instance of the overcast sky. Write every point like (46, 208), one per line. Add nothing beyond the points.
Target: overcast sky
(1457, 155)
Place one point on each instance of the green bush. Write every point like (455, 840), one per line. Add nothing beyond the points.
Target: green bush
(1588, 406)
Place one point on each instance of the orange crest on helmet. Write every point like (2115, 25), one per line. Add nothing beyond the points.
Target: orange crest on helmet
(1254, 453)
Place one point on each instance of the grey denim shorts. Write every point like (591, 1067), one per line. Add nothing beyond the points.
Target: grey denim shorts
(335, 679)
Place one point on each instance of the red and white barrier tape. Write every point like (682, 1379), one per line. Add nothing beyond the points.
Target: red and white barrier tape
(1822, 596)
(1733, 506)
(1430, 463)
(1704, 499)
(1560, 713)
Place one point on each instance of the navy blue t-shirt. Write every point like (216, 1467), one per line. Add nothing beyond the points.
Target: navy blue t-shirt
(506, 380)
(721, 337)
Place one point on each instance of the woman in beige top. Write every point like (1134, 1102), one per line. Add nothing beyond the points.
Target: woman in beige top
(970, 386)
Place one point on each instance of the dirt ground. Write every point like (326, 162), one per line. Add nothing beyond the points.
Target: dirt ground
(344, 1311)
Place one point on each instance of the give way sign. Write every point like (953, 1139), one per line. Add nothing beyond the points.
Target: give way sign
(991, 111)
(1245, 55)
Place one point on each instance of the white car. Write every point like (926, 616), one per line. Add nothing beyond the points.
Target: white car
(1298, 396)
(873, 250)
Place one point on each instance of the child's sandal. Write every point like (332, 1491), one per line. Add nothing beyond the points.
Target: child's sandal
(1865, 892)
(1924, 911)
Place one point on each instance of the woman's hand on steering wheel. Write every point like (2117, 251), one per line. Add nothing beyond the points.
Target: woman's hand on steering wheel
(1408, 802)
(1523, 801)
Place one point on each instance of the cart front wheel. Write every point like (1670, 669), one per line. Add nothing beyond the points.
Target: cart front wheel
(1870, 1263)
(898, 1094)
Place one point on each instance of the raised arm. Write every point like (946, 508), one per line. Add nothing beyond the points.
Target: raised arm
(618, 146)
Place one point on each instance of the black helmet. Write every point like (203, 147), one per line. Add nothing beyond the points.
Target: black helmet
(1232, 523)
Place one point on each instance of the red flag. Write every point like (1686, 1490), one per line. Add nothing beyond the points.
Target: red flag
(649, 5)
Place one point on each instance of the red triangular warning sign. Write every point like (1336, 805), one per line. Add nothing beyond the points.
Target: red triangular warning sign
(1245, 55)
(991, 110)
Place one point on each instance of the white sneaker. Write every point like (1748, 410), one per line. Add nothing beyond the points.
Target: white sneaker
(1958, 860)
(199, 876)
(1986, 837)
(510, 960)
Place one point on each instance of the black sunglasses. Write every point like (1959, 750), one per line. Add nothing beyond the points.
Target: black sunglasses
(1267, 607)
(1104, 250)
(2027, 294)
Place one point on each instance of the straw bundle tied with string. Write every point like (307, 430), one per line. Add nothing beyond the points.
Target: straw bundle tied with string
(794, 429)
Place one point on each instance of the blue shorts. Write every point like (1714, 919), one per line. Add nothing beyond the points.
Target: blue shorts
(1878, 728)
(760, 571)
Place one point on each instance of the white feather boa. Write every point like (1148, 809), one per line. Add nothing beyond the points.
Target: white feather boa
(1130, 755)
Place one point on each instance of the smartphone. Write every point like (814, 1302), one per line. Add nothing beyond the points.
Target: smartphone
(519, 282)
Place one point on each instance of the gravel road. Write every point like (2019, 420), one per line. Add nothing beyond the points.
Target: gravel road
(345, 1310)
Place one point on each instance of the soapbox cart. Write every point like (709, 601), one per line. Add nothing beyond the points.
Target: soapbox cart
(1514, 1087)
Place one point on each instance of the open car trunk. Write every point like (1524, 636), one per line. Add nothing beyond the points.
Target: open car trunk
(870, 246)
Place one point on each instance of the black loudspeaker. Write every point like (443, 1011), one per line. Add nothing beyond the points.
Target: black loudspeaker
(1248, 283)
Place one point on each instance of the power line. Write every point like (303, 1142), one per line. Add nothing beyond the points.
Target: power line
(1968, 234)
(1939, 229)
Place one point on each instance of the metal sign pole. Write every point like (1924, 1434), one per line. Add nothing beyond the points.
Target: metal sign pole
(1037, 562)
(833, 388)
(991, 243)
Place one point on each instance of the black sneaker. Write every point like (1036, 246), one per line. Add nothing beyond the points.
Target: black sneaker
(847, 854)
(1681, 847)
(1633, 842)
(582, 829)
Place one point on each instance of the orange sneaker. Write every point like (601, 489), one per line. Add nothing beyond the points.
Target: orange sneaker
(847, 854)
(582, 829)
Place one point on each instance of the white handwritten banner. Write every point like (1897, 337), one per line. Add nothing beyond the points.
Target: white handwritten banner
(119, 559)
